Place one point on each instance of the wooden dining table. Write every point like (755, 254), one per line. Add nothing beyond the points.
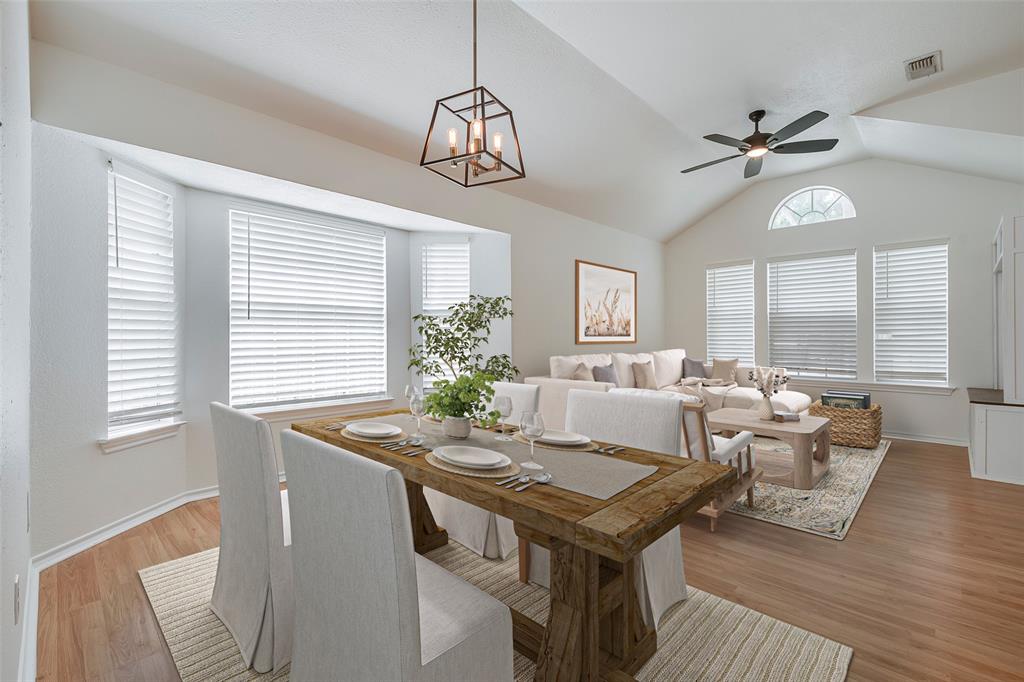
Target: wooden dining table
(595, 629)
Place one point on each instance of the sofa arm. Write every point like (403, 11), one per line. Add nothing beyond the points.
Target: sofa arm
(554, 395)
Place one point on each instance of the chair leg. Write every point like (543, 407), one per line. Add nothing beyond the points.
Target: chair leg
(714, 523)
(750, 497)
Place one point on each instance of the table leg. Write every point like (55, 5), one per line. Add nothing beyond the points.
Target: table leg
(569, 648)
(803, 474)
(524, 560)
(426, 534)
(824, 449)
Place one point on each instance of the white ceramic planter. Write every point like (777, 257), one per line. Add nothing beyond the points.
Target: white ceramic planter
(765, 410)
(457, 427)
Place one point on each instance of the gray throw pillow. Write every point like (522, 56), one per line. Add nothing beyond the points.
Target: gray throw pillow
(694, 368)
(606, 373)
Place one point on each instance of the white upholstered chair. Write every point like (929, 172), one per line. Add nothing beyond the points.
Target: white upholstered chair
(253, 592)
(638, 421)
(367, 607)
(482, 531)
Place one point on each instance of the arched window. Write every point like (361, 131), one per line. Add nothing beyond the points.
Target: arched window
(812, 205)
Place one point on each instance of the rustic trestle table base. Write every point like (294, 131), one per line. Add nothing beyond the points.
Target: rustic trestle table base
(595, 628)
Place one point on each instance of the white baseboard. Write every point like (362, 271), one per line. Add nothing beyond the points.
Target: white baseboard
(924, 438)
(44, 560)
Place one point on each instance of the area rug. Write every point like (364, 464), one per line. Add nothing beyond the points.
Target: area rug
(830, 508)
(703, 638)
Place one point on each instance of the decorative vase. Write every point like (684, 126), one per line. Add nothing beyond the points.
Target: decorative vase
(457, 427)
(765, 411)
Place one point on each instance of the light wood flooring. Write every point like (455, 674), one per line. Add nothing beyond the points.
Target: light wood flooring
(927, 585)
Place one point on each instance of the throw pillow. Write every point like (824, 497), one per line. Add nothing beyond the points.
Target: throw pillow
(724, 370)
(694, 368)
(582, 373)
(643, 373)
(606, 373)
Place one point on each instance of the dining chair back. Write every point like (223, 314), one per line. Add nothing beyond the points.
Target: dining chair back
(252, 594)
(638, 421)
(525, 398)
(367, 607)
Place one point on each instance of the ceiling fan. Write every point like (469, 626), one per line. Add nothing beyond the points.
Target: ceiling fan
(756, 145)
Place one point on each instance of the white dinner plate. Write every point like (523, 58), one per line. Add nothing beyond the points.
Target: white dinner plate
(374, 429)
(553, 437)
(472, 458)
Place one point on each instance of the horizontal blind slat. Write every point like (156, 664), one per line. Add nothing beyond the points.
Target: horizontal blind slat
(730, 312)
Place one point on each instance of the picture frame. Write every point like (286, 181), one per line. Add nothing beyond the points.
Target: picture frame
(606, 304)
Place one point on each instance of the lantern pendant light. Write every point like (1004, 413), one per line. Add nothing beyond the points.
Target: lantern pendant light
(472, 137)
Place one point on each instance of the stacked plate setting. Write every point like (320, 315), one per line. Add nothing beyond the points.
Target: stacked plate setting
(563, 438)
(373, 430)
(471, 458)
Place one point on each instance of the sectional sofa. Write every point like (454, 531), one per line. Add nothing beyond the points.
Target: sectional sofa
(668, 374)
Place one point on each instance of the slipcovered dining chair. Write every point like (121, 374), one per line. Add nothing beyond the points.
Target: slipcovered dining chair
(484, 532)
(367, 607)
(648, 423)
(252, 595)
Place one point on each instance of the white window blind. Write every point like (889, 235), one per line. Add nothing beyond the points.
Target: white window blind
(812, 315)
(911, 314)
(730, 312)
(143, 372)
(308, 311)
(446, 281)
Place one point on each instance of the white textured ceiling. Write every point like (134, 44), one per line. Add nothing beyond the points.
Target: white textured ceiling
(610, 98)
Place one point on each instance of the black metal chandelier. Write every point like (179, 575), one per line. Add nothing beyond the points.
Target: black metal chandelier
(466, 141)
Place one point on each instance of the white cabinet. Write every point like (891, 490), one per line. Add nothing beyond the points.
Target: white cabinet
(997, 442)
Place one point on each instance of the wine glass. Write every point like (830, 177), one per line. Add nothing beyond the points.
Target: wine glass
(532, 427)
(410, 391)
(503, 405)
(416, 406)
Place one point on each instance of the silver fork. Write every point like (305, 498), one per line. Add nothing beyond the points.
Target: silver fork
(423, 449)
(395, 446)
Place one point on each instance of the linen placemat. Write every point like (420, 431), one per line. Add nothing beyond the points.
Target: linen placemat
(586, 447)
(593, 475)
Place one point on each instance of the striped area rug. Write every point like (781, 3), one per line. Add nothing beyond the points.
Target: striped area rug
(704, 638)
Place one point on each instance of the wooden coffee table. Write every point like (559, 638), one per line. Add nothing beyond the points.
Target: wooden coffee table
(808, 437)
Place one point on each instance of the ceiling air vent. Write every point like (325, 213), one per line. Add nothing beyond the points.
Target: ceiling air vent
(926, 65)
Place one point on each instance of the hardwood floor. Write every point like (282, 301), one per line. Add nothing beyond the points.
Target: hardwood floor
(927, 585)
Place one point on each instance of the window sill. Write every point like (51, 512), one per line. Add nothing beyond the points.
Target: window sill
(287, 413)
(921, 389)
(130, 438)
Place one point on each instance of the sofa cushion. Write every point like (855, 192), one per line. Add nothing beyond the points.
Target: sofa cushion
(563, 366)
(582, 373)
(643, 375)
(743, 377)
(724, 370)
(623, 363)
(745, 398)
(694, 369)
(605, 373)
(668, 366)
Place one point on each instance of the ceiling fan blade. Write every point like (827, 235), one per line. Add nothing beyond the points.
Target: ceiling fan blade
(710, 163)
(800, 125)
(753, 167)
(805, 146)
(726, 140)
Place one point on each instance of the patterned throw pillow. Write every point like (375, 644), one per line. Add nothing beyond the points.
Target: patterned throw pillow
(694, 369)
(643, 373)
(606, 373)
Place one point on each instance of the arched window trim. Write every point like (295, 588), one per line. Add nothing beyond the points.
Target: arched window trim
(782, 205)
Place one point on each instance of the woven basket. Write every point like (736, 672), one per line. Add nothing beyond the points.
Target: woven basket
(850, 426)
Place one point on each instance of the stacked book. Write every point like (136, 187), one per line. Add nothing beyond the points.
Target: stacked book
(858, 400)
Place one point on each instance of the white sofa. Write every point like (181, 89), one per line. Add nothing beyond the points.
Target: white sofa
(668, 373)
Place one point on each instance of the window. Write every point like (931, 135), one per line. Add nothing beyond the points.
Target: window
(446, 281)
(730, 312)
(308, 309)
(143, 369)
(812, 205)
(911, 311)
(812, 315)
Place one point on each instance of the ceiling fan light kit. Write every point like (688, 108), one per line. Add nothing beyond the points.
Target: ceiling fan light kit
(472, 138)
(756, 145)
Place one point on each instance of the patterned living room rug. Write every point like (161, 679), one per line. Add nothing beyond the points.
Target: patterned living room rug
(703, 638)
(828, 509)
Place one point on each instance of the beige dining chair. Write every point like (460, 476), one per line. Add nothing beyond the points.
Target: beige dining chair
(252, 595)
(484, 532)
(637, 421)
(367, 607)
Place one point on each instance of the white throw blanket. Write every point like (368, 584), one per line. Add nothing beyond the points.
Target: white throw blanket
(711, 391)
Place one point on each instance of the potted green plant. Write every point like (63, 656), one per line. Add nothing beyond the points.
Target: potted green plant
(457, 403)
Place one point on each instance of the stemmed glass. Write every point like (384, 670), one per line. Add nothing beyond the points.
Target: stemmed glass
(503, 405)
(532, 427)
(410, 391)
(416, 407)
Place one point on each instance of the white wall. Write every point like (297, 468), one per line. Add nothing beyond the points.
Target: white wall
(15, 249)
(76, 487)
(895, 203)
(80, 93)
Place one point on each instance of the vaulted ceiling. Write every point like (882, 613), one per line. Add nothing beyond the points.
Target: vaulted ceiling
(611, 98)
